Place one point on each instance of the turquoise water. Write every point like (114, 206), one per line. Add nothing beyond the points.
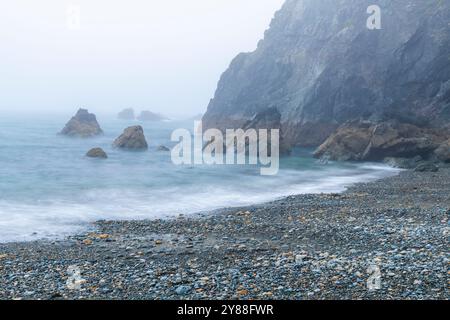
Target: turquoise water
(49, 189)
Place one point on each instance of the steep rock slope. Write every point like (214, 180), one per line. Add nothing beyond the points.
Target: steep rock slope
(320, 66)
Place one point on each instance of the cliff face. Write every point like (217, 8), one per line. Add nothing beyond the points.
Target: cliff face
(320, 66)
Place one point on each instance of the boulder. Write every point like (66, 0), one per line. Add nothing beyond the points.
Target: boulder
(97, 153)
(132, 138)
(269, 118)
(83, 124)
(367, 141)
(126, 114)
(443, 151)
(427, 167)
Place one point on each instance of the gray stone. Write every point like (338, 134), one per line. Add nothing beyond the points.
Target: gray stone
(97, 153)
(443, 151)
(403, 163)
(427, 167)
(150, 116)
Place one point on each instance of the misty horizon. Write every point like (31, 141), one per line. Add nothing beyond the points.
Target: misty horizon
(162, 57)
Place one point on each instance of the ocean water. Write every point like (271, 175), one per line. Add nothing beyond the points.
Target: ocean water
(49, 189)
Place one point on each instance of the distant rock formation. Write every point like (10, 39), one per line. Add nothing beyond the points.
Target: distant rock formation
(97, 153)
(151, 116)
(163, 148)
(83, 124)
(126, 114)
(320, 66)
(132, 138)
(443, 151)
(366, 141)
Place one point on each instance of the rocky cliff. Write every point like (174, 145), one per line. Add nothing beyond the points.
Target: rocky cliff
(320, 66)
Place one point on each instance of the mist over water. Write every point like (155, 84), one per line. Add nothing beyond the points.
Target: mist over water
(49, 189)
(166, 56)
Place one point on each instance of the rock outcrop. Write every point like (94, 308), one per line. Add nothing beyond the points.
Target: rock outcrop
(132, 138)
(97, 153)
(126, 114)
(269, 119)
(320, 66)
(443, 151)
(150, 116)
(83, 124)
(404, 163)
(363, 140)
(163, 149)
(427, 167)
(197, 117)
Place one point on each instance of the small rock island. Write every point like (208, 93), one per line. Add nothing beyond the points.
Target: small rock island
(83, 124)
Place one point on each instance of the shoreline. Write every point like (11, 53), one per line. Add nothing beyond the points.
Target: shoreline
(308, 246)
(380, 171)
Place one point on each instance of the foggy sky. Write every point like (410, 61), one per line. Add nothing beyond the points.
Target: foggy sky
(161, 55)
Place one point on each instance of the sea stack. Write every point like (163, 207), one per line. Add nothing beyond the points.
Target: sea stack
(151, 116)
(126, 114)
(320, 66)
(443, 152)
(97, 153)
(132, 138)
(163, 148)
(83, 124)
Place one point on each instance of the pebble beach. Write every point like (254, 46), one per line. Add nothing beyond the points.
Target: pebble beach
(392, 233)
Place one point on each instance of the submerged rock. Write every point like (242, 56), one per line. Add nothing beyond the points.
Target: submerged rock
(97, 153)
(83, 124)
(132, 138)
(126, 114)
